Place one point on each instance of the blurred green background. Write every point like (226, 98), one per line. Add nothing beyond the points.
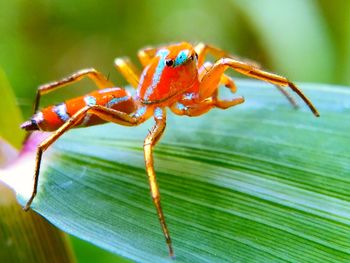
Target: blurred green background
(42, 40)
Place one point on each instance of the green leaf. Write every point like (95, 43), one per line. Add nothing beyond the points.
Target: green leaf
(10, 115)
(260, 182)
(87, 252)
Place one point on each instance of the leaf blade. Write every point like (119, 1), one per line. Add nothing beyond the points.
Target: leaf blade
(260, 182)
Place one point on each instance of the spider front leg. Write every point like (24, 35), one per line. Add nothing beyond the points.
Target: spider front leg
(204, 106)
(128, 70)
(150, 141)
(226, 80)
(204, 49)
(229, 83)
(98, 78)
(104, 113)
(211, 79)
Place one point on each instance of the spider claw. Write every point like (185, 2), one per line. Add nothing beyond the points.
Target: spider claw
(26, 207)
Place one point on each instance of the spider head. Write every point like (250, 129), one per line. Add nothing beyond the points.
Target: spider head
(180, 56)
(172, 71)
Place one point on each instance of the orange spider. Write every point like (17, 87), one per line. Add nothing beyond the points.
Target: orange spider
(174, 76)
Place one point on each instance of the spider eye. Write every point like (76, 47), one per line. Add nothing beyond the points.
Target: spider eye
(169, 62)
(191, 57)
(196, 55)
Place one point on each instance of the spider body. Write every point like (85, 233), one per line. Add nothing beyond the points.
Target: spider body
(175, 77)
(53, 117)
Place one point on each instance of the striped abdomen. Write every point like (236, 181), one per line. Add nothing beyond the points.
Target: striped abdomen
(52, 117)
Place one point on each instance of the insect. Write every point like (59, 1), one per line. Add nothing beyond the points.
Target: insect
(174, 76)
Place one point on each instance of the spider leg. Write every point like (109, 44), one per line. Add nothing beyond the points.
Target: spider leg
(128, 70)
(150, 141)
(100, 80)
(226, 80)
(146, 54)
(214, 74)
(104, 113)
(291, 100)
(204, 106)
(229, 83)
(193, 109)
(225, 104)
(203, 50)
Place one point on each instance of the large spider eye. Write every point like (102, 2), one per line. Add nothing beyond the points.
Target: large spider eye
(196, 55)
(191, 57)
(169, 62)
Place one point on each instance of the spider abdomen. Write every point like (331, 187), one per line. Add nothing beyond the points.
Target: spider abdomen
(52, 117)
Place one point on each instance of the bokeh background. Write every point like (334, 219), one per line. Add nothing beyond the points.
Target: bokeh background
(42, 40)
